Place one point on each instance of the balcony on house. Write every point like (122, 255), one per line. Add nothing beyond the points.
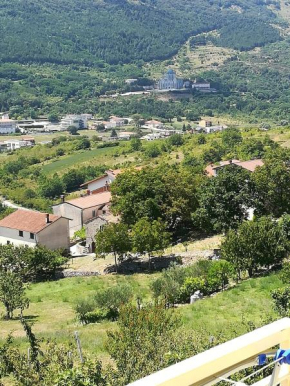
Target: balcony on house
(220, 362)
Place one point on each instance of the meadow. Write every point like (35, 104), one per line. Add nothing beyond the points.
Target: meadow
(52, 309)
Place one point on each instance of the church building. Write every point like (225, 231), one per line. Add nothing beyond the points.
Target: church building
(170, 81)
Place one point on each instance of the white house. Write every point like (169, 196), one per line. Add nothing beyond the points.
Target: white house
(79, 121)
(14, 144)
(151, 137)
(153, 124)
(118, 121)
(201, 86)
(7, 126)
(169, 81)
(30, 228)
(131, 81)
(82, 209)
(126, 135)
(102, 183)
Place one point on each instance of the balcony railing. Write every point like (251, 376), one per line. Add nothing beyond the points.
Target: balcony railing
(210, 367)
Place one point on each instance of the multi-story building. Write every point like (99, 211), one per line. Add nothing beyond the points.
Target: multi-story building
(7, 126)
(79, 121)
(82, 209)
(14, 144)
(170, 81)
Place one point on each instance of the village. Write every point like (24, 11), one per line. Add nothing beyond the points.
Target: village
(24, 133)
(89, 212)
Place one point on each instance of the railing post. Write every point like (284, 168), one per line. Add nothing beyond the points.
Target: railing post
(286, 368)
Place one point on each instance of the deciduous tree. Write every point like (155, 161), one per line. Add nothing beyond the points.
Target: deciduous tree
(12, 293)
(114, 238)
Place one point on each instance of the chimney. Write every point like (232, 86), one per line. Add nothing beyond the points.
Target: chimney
(47, 218)
(62, 198)
(88, 192)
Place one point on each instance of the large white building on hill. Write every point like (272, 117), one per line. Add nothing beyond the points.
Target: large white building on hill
(170, 81)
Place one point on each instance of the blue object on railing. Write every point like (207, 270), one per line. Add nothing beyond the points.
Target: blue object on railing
(284, 355)
(262, 359)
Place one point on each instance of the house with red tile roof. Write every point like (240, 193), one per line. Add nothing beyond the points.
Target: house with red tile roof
(212, 170)
(79, 210)
(31, 228)
(102, 183)
(153, 124)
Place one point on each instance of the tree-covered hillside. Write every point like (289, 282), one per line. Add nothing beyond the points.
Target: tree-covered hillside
(116, 31)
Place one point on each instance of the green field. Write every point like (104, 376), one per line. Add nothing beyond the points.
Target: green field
(52, 309)
(95, 156)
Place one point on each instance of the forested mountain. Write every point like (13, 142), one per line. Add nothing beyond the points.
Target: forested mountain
(91, 32)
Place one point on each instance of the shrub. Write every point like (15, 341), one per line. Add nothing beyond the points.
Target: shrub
(219, 274)
(111, 299)
(153, 150)
(96, 316)
(84, 307)
(281, 298)
(190, 286)
(285, 273)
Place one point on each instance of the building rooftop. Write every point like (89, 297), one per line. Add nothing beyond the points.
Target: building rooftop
(6, 120)
(153, 121)
(248, 165)
(109, 172)
(28, 221)
(92, 200)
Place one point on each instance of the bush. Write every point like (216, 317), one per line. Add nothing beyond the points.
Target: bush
(190, 286)
(107, 144)
(285, 273)
(83, 308)
(175, 140)
(219, 274)
(281, 298)
(153, 150)
(96, 316)
(111, 299)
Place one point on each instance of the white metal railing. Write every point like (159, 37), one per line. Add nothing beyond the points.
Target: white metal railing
(221, 361)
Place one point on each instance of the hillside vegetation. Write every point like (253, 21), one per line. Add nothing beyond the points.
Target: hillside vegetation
(115, 31)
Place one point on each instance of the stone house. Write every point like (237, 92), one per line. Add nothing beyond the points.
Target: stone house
(95, 225)
(82, 209)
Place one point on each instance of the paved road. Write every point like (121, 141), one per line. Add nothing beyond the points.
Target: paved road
(9, 204)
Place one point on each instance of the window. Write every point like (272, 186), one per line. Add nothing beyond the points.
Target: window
(21, 233)
(101, 227)
(94, 213)
(32, 236)
(8, 242)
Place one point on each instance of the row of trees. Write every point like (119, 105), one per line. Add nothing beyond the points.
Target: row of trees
(145, 237)
(184, 198)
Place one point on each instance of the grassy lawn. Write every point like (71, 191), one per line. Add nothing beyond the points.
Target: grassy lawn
(52, 309)
(91, 157)
(250, 300)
